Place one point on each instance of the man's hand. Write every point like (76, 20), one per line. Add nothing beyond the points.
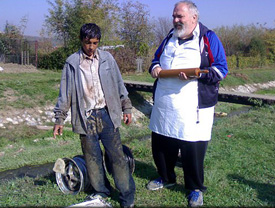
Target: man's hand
(182, 76)
(127, 118)
(57, 130)
(155, 72)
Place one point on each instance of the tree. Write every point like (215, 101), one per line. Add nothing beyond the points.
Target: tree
(237, 37)
(256, 47)
(161, 28)
(23, 24)
(66, 18)
(11, 31)
(56, 20)
(269, 40)
(135, 29)
(11, 39)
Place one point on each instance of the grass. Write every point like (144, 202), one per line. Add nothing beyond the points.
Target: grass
(26, 90)
(238, 166)
(270, 91)
(237, 77)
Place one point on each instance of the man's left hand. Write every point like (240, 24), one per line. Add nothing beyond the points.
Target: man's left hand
(127, 118)
(182, 76)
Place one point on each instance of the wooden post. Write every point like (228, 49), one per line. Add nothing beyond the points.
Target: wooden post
(22, 57)
(36, 51)
(28, 58)
(25, 57)
(139, 65)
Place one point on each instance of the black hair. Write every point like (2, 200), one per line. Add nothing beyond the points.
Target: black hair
(90, 30)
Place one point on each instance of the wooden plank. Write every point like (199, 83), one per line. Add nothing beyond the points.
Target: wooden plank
(245, 98)
(224, 96)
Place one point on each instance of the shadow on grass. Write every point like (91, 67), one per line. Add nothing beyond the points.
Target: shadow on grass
(144, 170)
(27, 171)
(140, 103)
(49, 177)
(265, 191)
(149, 172)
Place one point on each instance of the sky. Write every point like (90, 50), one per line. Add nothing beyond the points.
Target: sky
(213, 13)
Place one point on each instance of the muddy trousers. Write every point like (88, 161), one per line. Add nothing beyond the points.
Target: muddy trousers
(100, 128)
(165, 153)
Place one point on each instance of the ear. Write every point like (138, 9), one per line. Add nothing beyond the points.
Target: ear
(195, 18)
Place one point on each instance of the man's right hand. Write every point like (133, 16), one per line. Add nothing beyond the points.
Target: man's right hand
(155, 72)
(57, 130)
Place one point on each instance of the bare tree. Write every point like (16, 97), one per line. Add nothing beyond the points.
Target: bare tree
(161, 28)
(23, 24)
(237, 37)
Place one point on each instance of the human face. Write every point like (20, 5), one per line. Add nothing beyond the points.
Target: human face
(184, 21)
(89, 46)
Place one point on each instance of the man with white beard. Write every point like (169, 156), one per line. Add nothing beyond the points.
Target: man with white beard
(183, 111)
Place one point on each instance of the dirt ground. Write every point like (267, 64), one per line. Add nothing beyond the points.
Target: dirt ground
(16, 68)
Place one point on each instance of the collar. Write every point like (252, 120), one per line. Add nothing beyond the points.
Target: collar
(196, 31)
(84, 56)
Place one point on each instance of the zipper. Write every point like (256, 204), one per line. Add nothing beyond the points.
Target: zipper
(198, 118)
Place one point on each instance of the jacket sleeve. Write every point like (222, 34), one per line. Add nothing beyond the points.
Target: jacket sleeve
(158, 52)
(123, 93)
(218, 67)
(64, 99)
(155, 61)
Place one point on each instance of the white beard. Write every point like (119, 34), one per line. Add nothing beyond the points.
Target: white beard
(179, 32)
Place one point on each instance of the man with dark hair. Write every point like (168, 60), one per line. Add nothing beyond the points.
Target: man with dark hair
(183, 111)
(92, 87)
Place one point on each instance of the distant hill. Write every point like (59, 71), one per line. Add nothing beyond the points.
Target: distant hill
(54, 41)
(32, 38)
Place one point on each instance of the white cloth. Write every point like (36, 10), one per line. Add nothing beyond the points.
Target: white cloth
(175, 112)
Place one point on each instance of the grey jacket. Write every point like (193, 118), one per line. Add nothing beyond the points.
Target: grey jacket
(71, 92)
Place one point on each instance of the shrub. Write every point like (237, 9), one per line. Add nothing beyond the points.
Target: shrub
(125, 58)
(242, 62)
(54, 60)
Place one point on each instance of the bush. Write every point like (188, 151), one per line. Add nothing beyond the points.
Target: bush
(54, 60)
(242, 62)
(125, 58)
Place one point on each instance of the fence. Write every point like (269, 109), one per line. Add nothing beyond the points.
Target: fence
(18, 51)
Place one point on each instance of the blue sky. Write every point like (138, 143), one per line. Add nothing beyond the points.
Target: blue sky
(213, 13)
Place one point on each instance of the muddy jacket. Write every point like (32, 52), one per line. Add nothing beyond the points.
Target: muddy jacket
(71, 92)
(212, 58)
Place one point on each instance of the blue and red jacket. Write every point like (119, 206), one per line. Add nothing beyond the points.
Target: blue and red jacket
(213, 58)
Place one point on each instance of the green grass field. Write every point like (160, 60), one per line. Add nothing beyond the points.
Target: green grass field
(239, 164)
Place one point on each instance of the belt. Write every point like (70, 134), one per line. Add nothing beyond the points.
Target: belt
(89, 112)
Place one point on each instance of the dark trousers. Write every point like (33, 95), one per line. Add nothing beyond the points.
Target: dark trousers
(165, 153)
(100, 127)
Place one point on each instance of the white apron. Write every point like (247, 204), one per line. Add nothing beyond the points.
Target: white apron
(175, 112)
